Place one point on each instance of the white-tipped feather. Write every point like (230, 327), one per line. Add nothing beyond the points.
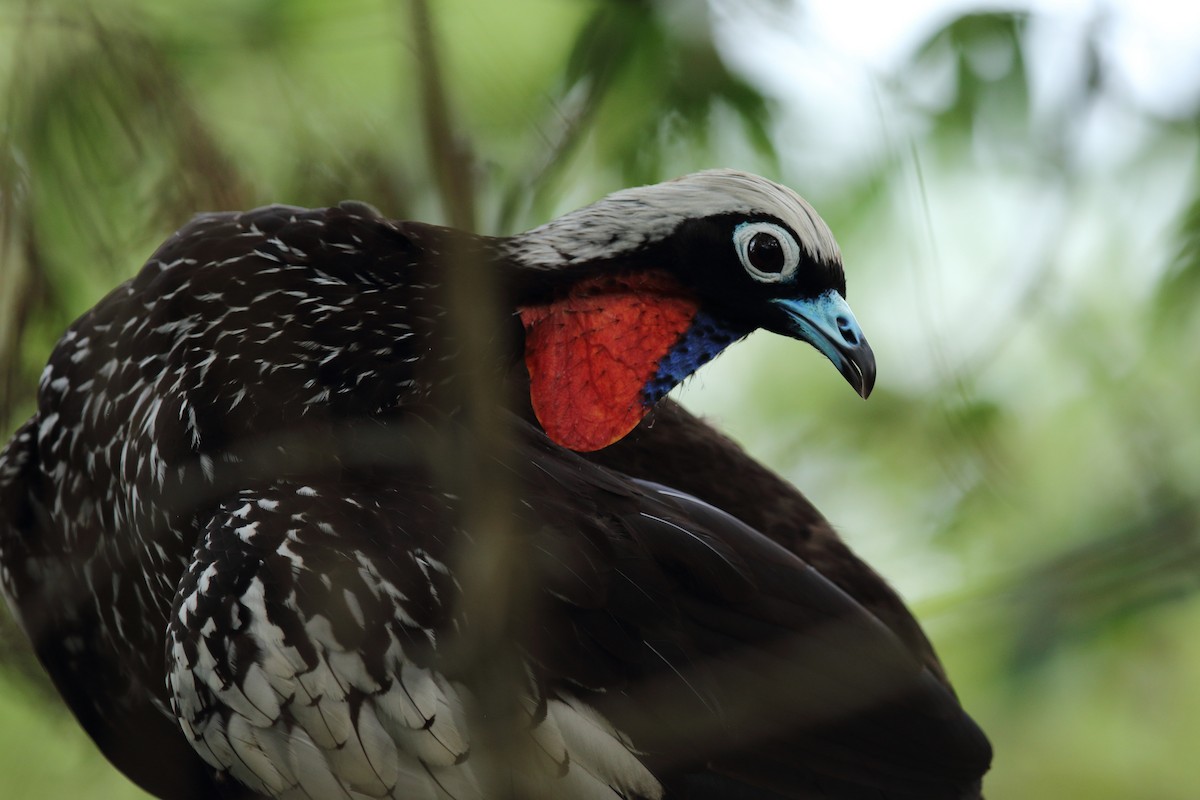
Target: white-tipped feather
(449, 722)
(414, 783)
(256, 688)
(311, 768)
(377, 746)
(576, 783)
(218, 745)
(598, 748)
(396, 710)
(276, 746)
(326, 713)
(353, 766)
(548, 741)
(456, 783)
(443, 744)
(421, 687)
(351, 671)
(252, 766)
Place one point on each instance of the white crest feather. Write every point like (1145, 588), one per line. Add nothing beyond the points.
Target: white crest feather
(628, 219)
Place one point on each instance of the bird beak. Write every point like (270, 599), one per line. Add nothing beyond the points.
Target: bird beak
(827, 323)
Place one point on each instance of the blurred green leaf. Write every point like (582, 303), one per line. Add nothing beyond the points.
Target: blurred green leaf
(1033, 491)
(982, 55)
(1178, 294)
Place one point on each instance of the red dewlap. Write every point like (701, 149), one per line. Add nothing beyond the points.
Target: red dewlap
(591, 354)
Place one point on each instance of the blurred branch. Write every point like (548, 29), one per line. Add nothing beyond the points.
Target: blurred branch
(572, 118)
(496, 598)
(1115, 575)
(23, 290)
(26, 295)
(605, 45)
(642, 79)
(450, 156)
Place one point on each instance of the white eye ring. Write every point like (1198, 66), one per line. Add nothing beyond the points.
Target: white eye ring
(742, 236)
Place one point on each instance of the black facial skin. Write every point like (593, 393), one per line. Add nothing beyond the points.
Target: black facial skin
(703, 255)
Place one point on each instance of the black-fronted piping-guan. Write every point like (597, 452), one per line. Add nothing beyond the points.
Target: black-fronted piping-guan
(226, 538)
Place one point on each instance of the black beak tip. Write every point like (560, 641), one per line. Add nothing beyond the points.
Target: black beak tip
(868, 384)
(859, 370)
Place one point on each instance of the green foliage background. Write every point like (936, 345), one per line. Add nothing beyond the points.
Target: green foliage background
(1027, 469)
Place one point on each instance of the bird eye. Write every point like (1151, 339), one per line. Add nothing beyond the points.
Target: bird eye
(767, 251)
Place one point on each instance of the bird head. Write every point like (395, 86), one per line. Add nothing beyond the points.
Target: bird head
(641, 288)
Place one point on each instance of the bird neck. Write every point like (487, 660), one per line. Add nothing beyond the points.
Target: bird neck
(604, 352)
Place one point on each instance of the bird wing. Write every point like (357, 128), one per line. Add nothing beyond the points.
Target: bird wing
(130, 726)
(676, 448)
(673, 650)
(818, 696)
(303, 655)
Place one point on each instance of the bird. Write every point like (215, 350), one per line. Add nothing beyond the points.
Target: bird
(228, 531)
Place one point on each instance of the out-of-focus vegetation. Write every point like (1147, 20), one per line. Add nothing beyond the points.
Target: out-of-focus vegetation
(1024, 255)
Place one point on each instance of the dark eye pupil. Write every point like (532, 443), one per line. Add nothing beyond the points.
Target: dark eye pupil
(765, 253)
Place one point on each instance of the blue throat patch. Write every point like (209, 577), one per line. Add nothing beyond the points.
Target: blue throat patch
(702, 342)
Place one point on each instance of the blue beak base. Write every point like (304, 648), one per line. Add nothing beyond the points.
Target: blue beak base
(827, 323)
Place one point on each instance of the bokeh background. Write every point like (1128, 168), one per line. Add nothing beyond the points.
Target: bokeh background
(1015, 189)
